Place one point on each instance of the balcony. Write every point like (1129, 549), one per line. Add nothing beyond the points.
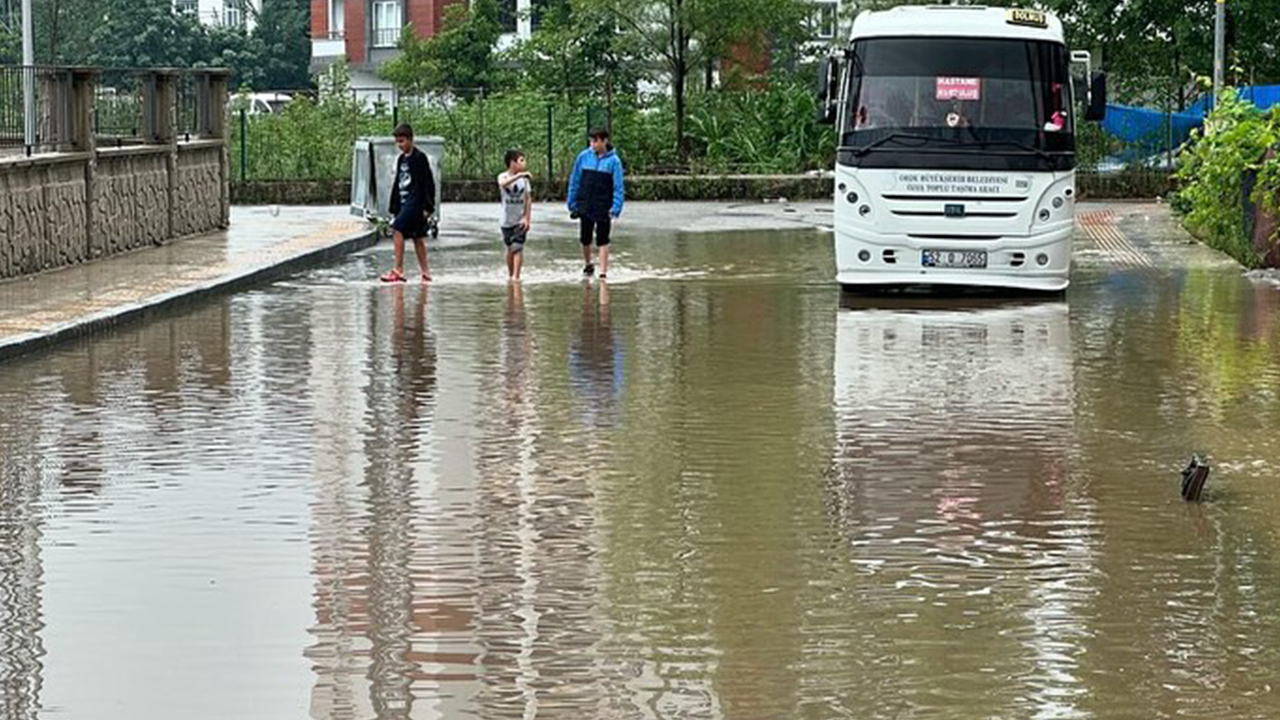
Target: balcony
(386, 37)
(329, 45)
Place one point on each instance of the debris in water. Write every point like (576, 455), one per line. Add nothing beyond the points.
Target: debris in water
(1194, 478)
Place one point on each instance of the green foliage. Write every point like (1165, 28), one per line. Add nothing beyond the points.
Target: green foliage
(1212, 167)
(151, 33)
(460, 56)
(769, 130)
(575, 50)
(683, 37)
(10, 47)
(146, 33)
(309, 139)
(281, 49)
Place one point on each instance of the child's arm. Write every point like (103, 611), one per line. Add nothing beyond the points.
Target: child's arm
(426, 185)
(619, 189)
(394, 206)
(575, 178)
(528, 209)
(506, 180)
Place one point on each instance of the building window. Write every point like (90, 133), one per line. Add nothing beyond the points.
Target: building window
(337, 19)
(507, 15)
(536, 14)
(187, 6)
(825, 14)
(387, 23)
(233, 13)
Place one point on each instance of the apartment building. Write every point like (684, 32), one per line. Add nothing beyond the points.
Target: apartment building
(230, 13)
(365, 32)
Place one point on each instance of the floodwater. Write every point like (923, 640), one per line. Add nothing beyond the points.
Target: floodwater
(708, 490)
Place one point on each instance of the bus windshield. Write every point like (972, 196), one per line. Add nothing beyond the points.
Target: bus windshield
(956, 96)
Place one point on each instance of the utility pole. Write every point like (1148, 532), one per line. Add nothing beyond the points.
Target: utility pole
(28, 77)
(1219, 48)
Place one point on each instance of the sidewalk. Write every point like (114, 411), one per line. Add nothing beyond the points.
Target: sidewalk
(38, 311)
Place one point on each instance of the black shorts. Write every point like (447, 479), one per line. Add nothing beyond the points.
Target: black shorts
(410, 223)
(514, 237)
(601, 228)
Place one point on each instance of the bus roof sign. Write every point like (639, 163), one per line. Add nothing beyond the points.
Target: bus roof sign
(1030, 18)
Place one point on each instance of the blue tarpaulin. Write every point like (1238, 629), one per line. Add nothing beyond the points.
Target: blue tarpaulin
(1147, 132)
(1264, 96)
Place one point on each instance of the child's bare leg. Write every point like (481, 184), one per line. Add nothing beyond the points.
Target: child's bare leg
(511, 263)
(518, 262)
(420, 247)
(604, 260)
(586, 254)
(399, 241)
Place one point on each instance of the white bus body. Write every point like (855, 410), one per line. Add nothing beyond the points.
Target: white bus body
(956, 164)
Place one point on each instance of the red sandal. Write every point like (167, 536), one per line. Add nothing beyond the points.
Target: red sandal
(395, 276)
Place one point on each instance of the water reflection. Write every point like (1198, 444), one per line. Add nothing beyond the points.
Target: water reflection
(702, 498)
(596, 361)
(972, 545)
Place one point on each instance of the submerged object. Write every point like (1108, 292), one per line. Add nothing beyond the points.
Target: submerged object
(1194, 479)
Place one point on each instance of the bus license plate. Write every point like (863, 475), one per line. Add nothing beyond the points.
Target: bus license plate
(953, 258)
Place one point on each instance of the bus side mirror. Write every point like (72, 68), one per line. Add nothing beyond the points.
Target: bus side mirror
(1097, 110)
(828, 90)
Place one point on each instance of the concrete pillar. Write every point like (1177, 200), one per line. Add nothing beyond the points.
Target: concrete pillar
(83, 88)
(84, 84)
(159, 104)
(213, 123)
(159, 112)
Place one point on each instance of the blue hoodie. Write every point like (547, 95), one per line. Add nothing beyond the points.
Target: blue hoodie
(596, 189)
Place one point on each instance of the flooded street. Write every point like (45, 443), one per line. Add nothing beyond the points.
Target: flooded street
(709, 489)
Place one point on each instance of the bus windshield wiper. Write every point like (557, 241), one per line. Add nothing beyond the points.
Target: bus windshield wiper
(977, 142)
(891, 137)
(1019, 145)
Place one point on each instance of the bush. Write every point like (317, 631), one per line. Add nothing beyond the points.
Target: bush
(760, 131)
(1211, 171)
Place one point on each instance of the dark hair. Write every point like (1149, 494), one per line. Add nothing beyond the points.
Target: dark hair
(599, 134)
(403, 130)
(512, 156)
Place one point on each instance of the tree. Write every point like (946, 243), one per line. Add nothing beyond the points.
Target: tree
(681, 35)
(63, 28)
(281, 42)
(146, 33)
(461, 56)
(577, 50)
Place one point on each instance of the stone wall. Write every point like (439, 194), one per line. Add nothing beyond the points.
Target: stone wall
(199, 191)
(42, 215)
(705, 188)
(75, 202)
(131, 209)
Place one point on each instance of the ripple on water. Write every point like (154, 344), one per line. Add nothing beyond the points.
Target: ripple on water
(703, 490)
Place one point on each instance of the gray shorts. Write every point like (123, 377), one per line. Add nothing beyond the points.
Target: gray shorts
(514, 237)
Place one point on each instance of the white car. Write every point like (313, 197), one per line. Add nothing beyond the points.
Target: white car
(266, 103)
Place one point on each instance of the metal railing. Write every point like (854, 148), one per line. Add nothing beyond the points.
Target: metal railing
(187, 107)
(117, 107)
(386, 37)
(50, 122)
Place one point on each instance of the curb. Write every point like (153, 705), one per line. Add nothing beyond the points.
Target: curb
(116, 316)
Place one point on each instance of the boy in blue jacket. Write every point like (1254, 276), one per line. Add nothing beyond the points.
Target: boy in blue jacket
(596, 194)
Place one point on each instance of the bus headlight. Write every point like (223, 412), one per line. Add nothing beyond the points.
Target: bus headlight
(1045, 215)
(865, 210)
